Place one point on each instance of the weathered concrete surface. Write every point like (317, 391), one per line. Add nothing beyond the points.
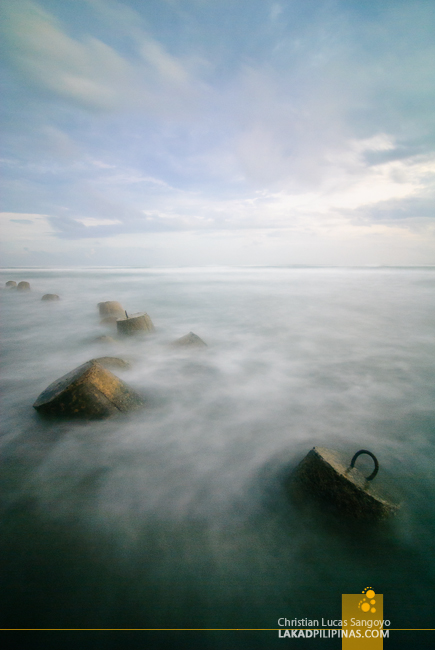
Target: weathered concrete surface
(190, 340)
(326, 475)
(50, 296)
(112, 362)
(134, 324)
(90, 391)
(111, 308)
(110, 320)
(11, 284)
(23, 286)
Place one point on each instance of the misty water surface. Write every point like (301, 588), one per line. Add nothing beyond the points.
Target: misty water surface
(176, 516)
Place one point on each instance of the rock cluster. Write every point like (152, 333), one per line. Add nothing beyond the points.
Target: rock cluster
(25, 286)
(91, 391)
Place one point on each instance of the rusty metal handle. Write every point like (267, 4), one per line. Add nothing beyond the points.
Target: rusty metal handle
(369, 453)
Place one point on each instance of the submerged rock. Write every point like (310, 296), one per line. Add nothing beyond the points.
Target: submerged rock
(104, 339)
(23, 286)
(50, 296)
(90, 391)
(328, 476)
(111, 308)
(112, 362)
(190, 340)
(11, 284)
(135, 323)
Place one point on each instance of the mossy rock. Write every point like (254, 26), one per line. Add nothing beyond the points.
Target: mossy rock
(23, 286)
(11, 284)
(90, 392)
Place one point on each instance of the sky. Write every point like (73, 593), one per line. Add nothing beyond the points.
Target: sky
(217, 132)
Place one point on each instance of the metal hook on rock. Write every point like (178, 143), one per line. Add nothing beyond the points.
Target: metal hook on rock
(369, 453)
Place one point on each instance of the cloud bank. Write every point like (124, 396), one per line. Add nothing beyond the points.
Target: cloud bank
(309, 123)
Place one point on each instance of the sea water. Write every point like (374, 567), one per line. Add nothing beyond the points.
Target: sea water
(177, 515)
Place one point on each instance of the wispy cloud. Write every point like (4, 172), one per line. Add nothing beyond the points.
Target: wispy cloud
(128, 119)
(89, 72)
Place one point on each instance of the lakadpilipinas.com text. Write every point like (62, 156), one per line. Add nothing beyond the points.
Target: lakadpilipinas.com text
(306, 628)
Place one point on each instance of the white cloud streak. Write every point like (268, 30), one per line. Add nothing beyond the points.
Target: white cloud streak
(91, 73)
(324, 133)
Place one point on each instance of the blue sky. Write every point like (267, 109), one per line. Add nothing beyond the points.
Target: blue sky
(208, 132)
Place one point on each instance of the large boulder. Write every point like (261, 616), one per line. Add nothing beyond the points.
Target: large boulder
(190, 340)
(111, 308)
(90, 391)
(134, 324)
(332, 479)
(11, 284)
(23, 286)
(50, 296)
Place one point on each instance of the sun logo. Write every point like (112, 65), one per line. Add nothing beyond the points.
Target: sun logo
(366, 604)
